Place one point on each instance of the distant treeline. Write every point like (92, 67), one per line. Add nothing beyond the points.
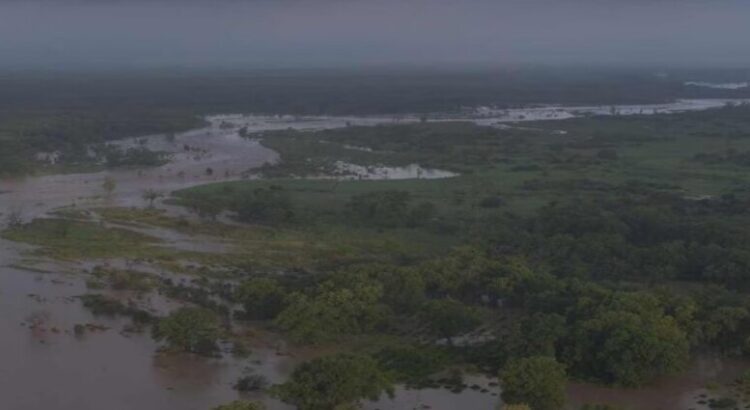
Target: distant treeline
(342, 91)
(70, 132)
(66, 111)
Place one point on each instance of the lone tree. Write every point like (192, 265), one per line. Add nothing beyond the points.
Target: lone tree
(14, 219)
(629, 348)
(109, 185)
(192, 330)
(243, 132)
(263, 298)
(204, 207)
(537, 381)
(151, 196)
(330, 382)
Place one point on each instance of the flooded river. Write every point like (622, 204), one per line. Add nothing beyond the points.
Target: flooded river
(45, 365)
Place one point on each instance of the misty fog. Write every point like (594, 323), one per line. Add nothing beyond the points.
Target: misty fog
(289, 33)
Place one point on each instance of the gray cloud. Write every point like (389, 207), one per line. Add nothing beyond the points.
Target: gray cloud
(294, 33)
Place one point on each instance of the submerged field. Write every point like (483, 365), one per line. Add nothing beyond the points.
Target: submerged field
(581, 261)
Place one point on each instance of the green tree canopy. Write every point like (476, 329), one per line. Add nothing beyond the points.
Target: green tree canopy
(192, 330)
(629, 348)
(262, 298)
(537, 381)
(333, 312)
(329, 382)
(412, 364)
(449, 318)
(387, 209)
(541, 334)
(265, 205)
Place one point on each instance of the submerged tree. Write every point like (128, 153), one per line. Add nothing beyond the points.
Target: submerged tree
(628, 348)
(192, 330)
(151, 196)
(14, 219)
(537, 381)
(204, 206)
(412, 365)
(109, 185)
(263, 298)
(334, 381)
(333, 313)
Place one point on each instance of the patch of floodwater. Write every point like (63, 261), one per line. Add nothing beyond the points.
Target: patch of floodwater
(199, 157)
(720, 86)
(346, 170)
(490, 116)
(357, 148)
(219, 153)
(680, 392)
(176, 240)
(46, 366)
(261, 123)
(487, 116)
(443, 399)
(532, 129)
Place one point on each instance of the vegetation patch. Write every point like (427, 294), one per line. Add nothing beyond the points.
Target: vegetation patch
(71, 239)
(118, 279)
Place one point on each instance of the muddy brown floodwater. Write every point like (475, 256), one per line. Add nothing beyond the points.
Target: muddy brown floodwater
(681, 391)
(45, 365)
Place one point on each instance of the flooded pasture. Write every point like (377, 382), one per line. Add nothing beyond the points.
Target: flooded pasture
(412, 171)
(47, 365)
(684, 391)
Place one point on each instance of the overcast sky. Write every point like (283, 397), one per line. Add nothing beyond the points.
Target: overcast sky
(314, 33)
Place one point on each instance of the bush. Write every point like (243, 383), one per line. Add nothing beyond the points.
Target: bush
(448, 318)
(266, 205)
(251, 383)
(492, 201)
(333, 313)
(191, 330)
(722, 403)
(329, 382)
(607, 154)
(263, 298)
(538, 381)
(132, 157)
(412, 365)
(385, 209)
